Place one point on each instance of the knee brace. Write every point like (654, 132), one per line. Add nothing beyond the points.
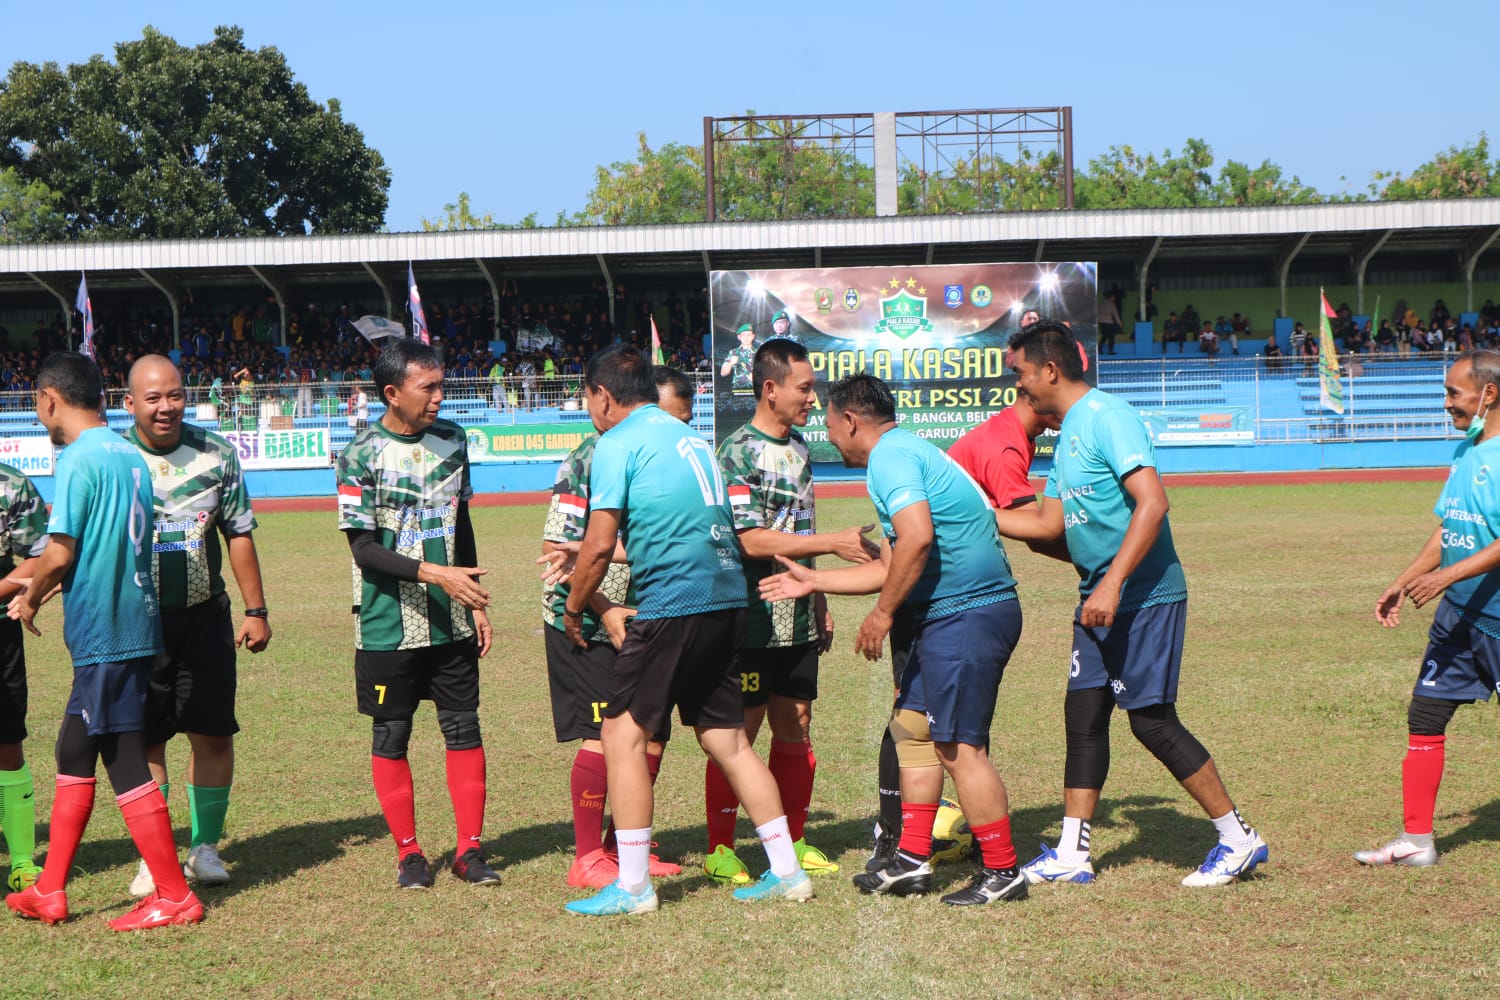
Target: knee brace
(391, 737)
(1159, 731)
(913, 739)
(1429, 716)
(460, 729)
(1086, 715)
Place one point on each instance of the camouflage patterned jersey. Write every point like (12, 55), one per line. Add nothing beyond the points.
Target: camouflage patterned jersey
(197, 487)
(770, 486)
(743, 359)
(407, 490)
(567, 520)
(23, 519)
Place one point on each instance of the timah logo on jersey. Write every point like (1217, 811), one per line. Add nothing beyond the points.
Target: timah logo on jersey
(903, 314)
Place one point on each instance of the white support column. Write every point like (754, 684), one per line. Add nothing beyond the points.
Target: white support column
(885, 163)
(609, 289)
(63, 302)
(278, 289)
(1288, 254)
(1363, 254)
(1470, 259)
(1143, 275)
(489, 276)
(385, 290)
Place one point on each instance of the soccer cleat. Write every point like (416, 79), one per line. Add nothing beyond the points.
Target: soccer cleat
(23, 875)
(796, 887)
(884, 851)
(49, 908)
(204, 866)
(990, 885)
(723, 865)
(470, 867)
(154, 911)
(1047, 867)
(614, 900)
(142, 884)
(413, 872)
(1224, 864)
(1400, 852)
(594, 870)
(812, 860)
(657, 868)
(897, 879)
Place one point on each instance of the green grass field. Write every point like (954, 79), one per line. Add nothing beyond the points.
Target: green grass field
(1287, 679)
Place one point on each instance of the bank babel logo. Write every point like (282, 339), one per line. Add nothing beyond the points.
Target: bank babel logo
(953, 296)
(981, 296)
(851, 299)
(824, 298)
(903, 314)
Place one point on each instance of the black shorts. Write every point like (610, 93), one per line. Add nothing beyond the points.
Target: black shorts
(903, 634)
(579, 681)
(193, 682)
(389, 683)
(12, 683)
(691, 662)
(785, 671)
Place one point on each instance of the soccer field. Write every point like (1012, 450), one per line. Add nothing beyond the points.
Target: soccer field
(1287, 679)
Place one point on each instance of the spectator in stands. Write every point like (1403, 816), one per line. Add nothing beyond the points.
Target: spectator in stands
(1173, 332)
(1438, 318)
(1191, 322)
(1208, 340)
(526, 369)
(1273, 355)
(1385, 338)
(1109, 321)
(1299, 338)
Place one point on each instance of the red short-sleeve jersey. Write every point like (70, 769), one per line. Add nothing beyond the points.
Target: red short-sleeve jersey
(998, 454)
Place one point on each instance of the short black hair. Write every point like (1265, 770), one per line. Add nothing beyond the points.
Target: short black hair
(773, 361)
(396, 356)
(624, 371)
(74, 376)
(1048, 340)
(671, 378)
(864, 395)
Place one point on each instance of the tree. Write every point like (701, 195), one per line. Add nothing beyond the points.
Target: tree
(170, 141)
(1460, 172)
(1241, 184)
(661, 185)
(458, 215)
(983, 183)
(28, 210)
(1123, 178)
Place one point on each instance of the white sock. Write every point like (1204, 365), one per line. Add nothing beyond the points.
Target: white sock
(777, 840)
(1233, 830)
(1073, 845)
(635, 858)
(1417, 839)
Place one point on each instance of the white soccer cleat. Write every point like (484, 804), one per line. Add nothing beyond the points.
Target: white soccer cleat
(204, 866)
(143, 884)
(1047, 867)
(1399, 852)
(1224, 864)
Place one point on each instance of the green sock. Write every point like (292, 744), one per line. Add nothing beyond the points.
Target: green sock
(18, 813)
(208, 804)
(165, 786)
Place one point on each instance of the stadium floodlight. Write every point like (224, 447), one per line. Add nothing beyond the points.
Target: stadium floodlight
(755, 287)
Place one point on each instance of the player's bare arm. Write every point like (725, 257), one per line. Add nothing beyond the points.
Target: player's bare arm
(823, 621)
(255, 632)
(18, 579)
(593, 561)
(1388, 607)
(799, 581)
(51, 566)
(558, 559)
(484, 633)
(848, 544)
(1035, 524)
(1151, 506)
(913, 526)
(1431, 584)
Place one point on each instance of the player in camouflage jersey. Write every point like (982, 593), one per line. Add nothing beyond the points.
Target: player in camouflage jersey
(23, 534)
(579, 677)
(739, 363)
(420, 623)
(198, 487)
(769, 479)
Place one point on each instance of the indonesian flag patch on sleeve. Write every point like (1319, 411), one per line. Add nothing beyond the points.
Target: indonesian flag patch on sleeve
(571, 505)
(350, 496)
(739, 495)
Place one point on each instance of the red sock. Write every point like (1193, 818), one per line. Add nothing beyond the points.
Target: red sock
(722, 806)
(72, 804)
(146, 818)
(916, 828)
(653, 766)
(794, 766)
(1421, 773)
(393, 789)
(588, 785)
(466, 790)
(994, 844)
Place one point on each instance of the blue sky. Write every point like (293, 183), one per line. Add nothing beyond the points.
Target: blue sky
(517, 103)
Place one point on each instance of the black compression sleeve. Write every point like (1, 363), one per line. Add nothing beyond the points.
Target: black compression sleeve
(371, 555)
(465, 549)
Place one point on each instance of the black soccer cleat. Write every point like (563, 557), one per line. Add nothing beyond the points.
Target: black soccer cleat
(900, 877)
(883, 853)
(470, 867)
(414, 872)
(990, 885)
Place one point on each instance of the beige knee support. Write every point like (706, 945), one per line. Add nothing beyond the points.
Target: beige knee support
(913, 739)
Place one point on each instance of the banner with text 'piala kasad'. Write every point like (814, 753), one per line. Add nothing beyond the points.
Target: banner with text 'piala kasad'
(935, 333)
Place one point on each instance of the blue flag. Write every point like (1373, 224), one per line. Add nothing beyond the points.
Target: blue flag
(414, 303)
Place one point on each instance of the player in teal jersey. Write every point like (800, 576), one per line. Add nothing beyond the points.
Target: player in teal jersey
(23, 535)
(942, 564)
(770, 485)
(99, 550)
(655, 485)
(420, 623)
(1461, 564)
(1105, 498)
(200, 494)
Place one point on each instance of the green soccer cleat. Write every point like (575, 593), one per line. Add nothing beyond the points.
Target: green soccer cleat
(812, 860)
(23, 874)
(723, 865)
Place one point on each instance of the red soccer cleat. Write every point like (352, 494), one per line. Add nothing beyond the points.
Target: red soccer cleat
(657, 868)
(594, 870)
(48, 907)
(155, 911)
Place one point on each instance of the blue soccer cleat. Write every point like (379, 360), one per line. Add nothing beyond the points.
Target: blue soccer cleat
(614, 900)
(1224, 864)
(1046, 867)
(797, 887)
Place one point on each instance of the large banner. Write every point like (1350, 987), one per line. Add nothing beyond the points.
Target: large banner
(525, 442)
(935, 333)
(32, 454)
(306, 449)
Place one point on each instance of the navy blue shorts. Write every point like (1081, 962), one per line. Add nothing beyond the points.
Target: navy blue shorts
(1461, 662)
(954, 669)
(1138, 657)
(110, 697)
